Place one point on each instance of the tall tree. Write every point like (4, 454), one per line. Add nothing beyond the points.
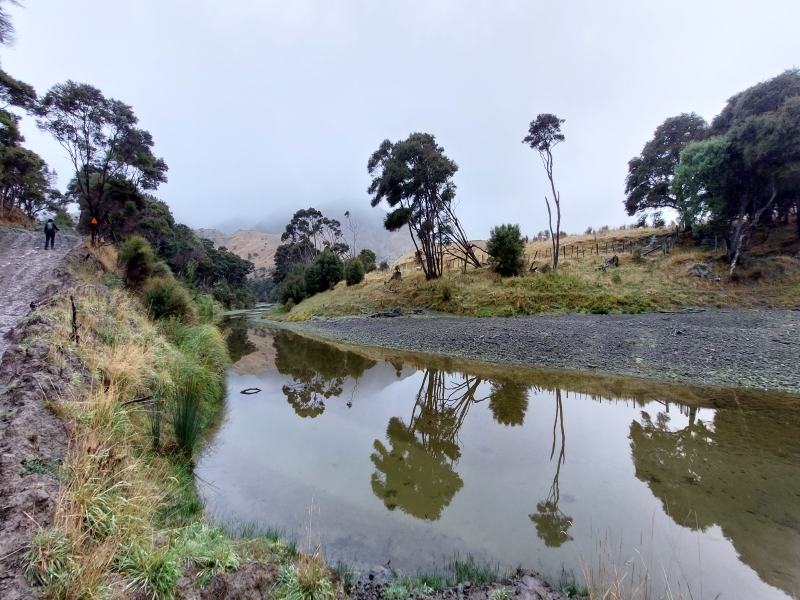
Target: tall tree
(103, 143)
(647, 185)
(737, 176)
(544, 134)
(307, 235)
(416, 179)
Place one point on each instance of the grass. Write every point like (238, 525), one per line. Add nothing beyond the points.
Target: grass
(640, 283)
(129, 515)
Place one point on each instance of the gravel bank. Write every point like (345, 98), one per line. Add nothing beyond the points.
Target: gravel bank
(749, 348)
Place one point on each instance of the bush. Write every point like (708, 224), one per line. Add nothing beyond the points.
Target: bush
(167, 299)
(384, 266)
(313, 279)
(138, 258)
(354, 271)
(368, 257)
(294, 286)
(505, 246)
(332, 269)
(637, 256)
(63, 220)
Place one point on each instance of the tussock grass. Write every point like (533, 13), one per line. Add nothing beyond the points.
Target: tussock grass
(128, 515)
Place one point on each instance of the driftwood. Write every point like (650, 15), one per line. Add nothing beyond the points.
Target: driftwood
(250, 391)
(137, 400)
(614, 260)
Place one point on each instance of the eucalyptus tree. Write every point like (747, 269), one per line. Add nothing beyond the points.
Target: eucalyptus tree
(415, 178)
(103, 142)
(544, 134)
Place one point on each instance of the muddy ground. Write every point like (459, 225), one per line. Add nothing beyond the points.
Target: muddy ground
(749, 347)
(33, 439)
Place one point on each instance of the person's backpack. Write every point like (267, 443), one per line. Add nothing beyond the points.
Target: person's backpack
(49, 227)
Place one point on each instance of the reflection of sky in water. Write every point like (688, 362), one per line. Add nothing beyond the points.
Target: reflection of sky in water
(412, 465)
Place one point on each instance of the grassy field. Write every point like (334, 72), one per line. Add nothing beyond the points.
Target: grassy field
(770, 277)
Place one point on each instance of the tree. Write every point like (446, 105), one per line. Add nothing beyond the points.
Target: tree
(26, 182)
(103, 143)
(306, 236)
(647, 185)
(544, 134)
(368, 257)
(505, 246)
(734, 179)
(354, 270)
(415, 178)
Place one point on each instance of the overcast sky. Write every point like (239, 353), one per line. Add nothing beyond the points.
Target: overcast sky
(260, 106)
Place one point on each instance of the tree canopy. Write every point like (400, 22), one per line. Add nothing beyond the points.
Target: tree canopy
(747, 170)
(647, 185)
(415, 178)
(112, 158)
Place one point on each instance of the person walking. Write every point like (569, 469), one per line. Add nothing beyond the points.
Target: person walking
(50, 229)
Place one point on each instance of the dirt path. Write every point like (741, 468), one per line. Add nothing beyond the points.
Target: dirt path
(748, 348)
(33, 439)
(26, 269)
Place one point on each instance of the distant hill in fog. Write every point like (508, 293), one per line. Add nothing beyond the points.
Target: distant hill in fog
(369, 225)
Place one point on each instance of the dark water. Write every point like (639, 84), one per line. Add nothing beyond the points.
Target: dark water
(412, 458)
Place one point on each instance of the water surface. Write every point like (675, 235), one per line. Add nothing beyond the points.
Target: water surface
(412, 458)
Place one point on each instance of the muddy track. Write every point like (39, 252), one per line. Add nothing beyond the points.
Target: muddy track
(33, 438)
(26, 270)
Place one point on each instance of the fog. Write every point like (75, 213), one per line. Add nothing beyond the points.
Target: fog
(261, 107)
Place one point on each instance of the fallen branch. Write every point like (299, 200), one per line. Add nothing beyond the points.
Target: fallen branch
(135, 400)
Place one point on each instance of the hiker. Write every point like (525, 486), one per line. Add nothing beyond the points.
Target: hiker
(50, 229)
(94, 231)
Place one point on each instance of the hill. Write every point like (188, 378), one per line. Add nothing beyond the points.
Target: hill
(255, 246)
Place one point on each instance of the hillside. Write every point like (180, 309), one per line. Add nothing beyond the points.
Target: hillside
(257, 247)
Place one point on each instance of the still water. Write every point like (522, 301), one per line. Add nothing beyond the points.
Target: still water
(412, 458)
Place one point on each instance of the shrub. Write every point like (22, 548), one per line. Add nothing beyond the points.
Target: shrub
(384, 266)
(294, 286)
(616, 278)
(354, 271)
(446, 290)
(505, 246)
(637, 256)
(138, 258)
(166, 299)
(368, 257)
(313, 279)
(332, 269)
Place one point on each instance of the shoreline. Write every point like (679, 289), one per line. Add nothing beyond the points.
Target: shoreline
(750, 348)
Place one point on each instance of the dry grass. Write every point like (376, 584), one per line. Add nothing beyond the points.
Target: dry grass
(655, 282)
(15, 218)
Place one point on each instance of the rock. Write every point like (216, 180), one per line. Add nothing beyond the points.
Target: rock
(379, 575)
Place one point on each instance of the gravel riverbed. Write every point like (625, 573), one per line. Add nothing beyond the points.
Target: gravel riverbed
(748, 347)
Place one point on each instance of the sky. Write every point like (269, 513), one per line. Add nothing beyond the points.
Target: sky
(261, 107)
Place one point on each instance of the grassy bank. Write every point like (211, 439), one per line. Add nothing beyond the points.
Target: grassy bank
(128, 517)
(769, 278)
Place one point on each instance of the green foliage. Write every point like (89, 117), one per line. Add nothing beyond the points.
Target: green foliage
(209, 548)
(354, 270)
(477, 573)
(306, 583)
(368, 257)
(506, 246)
(151, 570)
(648, 183)
(166, 299)
(50, 561)
(294, 285)
(384, 266)
(416, 179)
(502, 593)
(332, 269)
(138, 258)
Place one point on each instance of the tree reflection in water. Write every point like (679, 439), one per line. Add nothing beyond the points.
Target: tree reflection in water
(739, 470)
(416, 474)
(551, 523)
(318, 371)
(235, 331)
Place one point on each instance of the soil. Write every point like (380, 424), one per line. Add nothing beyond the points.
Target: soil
(33, 438)
(743, 347)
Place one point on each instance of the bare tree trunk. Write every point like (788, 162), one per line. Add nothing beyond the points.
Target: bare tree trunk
(547, 161)
(746, 231)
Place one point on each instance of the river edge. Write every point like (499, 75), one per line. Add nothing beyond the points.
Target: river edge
(746, 348)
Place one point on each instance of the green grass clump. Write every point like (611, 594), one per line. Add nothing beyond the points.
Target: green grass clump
(153, 571)
(167, 299)
(308, 581)
(40, 466)
(502, 593)
(477, 573)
